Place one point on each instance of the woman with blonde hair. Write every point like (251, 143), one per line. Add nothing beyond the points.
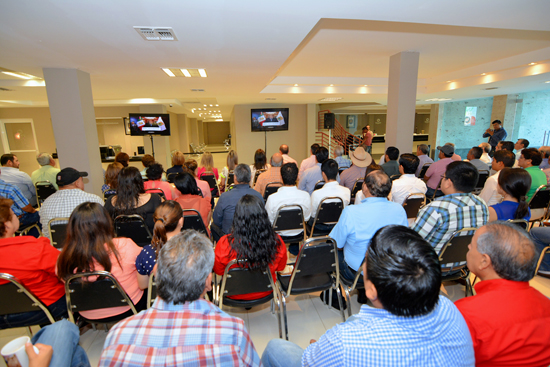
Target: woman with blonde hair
(207, 165)
(232, 162)
(178, 159)
(168, 222)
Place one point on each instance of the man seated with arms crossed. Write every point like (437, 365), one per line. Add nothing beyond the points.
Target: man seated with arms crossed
(409, 325)
(502, 159)
(407, 183)
(458, 209)
(181, 328)
(508, 319)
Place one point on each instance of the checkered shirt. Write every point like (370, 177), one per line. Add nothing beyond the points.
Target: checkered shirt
(61, 205)
(437, 221)
(10, 191)
(192, 334)
(375, 337)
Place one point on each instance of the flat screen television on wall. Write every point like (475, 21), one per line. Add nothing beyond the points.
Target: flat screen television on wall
(149, 124)
(269, 119)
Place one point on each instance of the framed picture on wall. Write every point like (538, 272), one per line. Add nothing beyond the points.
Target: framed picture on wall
(351, 122)
(126, 125)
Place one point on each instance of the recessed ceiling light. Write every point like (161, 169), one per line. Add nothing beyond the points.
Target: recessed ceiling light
(217, 105)
(186, 73)
(365, 85)
(483, 73)
(295, 85)
(332, 85)
(202, 73)
(210, 105)
(17, 75)
(204, 105)
(448, 81)
(532, 63)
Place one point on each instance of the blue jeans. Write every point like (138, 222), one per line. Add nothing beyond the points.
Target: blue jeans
(58, 309)
(346, 271)
(282, 353)
(541, 238)
(63, 337)
(30, 218)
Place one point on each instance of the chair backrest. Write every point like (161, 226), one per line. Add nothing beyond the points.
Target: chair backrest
(156, 190)
(413, 203)
(328, 211)
(319, 255)
(271, 188)
(58, 231)
(541, 198)
(211, 179)
(107, 194)
(43, 190)
(256, 175)
(16, 298)
(483, 175)
(171, 177)
(522, 223)
(104, 292)
(319, 185)
(289, 217)
(151, 290)
(134, 227)
(423, 170)
(395, 177)
(230, 178)
(241, 280)
(193, 220)
(453, 254)
(356, 187)
(437, 189)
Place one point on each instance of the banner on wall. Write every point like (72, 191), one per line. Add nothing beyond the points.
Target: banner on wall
(470, 116)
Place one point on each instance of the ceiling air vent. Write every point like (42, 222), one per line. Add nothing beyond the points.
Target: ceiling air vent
(156, 33)
(197, 90)
(491, 88)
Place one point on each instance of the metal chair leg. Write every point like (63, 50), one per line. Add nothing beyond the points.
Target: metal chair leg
(283, 299)
(341, 305)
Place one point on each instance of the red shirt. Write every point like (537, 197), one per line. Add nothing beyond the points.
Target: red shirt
(164, 186)
(225, 254)
(33, 262)
(509, 323)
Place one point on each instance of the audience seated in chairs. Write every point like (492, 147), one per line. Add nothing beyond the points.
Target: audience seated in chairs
(273, 173)
(391, 166)
(47, 170)
(154, 175)
(474, 156)
(190, 166)
(11, 174)
(111, 178)
(260, 164)
(501, 160)
(131, 197)
(189, 197)
(207, 165)
(178, 160)
(359, 184)
(146, 161)
(27, 215)
(90, 246)
(513, 184)
(253, 239)
(32, 261)
(408, 183)
(232, 162)
(168, 222)
(435, 172)
(422, 152)
(122, 158)
(530, 159)
(360, 159)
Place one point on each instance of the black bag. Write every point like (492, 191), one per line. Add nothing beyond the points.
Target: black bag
(335, 304)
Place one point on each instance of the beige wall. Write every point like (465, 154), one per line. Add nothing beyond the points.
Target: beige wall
(216, 131)
(247, 142)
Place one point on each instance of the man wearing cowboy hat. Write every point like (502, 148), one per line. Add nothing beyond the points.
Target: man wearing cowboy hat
(360, 160)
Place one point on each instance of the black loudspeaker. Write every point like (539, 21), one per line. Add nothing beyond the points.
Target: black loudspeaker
(329, 121)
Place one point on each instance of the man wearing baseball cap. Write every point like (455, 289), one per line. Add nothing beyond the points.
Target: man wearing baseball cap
(360, 160)
(70, 194)
(435, 172)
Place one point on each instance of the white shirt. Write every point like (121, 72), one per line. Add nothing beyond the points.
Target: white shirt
(489, 193)
(288, 195)
(405, 185)
(486, 158)
(307, 163)
(61, 205)
(20, 179)
(330, 189)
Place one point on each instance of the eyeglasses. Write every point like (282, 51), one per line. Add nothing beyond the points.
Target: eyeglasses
(442, 177)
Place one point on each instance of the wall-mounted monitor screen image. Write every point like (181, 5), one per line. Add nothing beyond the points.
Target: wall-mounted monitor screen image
(269, 119)
(149, 124)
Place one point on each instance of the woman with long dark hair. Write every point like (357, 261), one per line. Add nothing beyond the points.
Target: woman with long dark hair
(90, 246)
(168, 222)
(131, 197)
(252, 238)
(260, 163)
(154, 175)
(190, 197)
(190, 166)
(513, 185)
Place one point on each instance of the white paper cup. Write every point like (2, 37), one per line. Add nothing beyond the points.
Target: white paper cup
(14, 352)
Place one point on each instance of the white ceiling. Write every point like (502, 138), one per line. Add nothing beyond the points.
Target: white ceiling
(253, 49)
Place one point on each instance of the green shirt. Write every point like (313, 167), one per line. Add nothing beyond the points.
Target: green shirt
(538, 178)
(47, 173)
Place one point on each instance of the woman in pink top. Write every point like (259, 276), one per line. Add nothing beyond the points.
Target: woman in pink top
(207, 165)
(90, 246)
(190, 198)
(154, 175)
(191, 167)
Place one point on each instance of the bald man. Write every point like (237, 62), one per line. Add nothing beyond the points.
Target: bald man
(283, 149)
(273, 174)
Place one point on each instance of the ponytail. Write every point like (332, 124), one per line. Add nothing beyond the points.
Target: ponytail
(166, 218)
(159, 235)
(523, 208)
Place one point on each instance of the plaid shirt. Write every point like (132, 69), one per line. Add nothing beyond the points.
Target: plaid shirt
(273, 174)
(437, 221)
(375, 337)
(10, 191)
(196, 333)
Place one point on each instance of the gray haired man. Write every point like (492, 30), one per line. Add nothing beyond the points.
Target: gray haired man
(47, 170)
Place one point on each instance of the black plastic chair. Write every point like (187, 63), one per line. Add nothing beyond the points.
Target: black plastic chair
(43, 190)
(230, 179)
(107, 194)
(192, 220)
(539, 205)
(350, 285)
(211, 179)
(171, 177)
(58, 231)
(319, 185)
(241, 280)
(328, 213)
(134, 227)
(16, 298)
(24, 231)
(452, 257)
(256, 175)
(271, 188)
(413, 203)
(316, 269)
(395, 177)
(156, 190)
(104, 292)
(151, 290)
(290, 217)
(356, 187)
(483, 175)
(423, 170)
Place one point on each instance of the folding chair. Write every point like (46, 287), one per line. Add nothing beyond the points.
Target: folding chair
(356, 187)
(328, 213)
(423, 170)
(151, 290)
(107, 194)
(349, 286)
(193, 220)
(539, 204)
(316, 269)
(58, 231)
(319, 185)
(156, 190)
(290, 217)
(24, 231)
(241, 280)
(43, 190)
(394, 177)
(134, 227)
(453, 257)
(16, 298)
(171, 177)
(211, 179)
(271, 188)
(413, 203)
(483, 175)
(104, 292)
(256, 175)
(230, 179)
(522, 223)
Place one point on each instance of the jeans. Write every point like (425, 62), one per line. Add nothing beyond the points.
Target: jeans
(369, 149)
(430, 193)
(30, 218)
(348, 272)
(63, 337)
(58, 309)
(541, 238)
(282, 353)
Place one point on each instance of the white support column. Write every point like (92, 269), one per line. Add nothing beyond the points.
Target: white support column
(402, 100)
(73, 120)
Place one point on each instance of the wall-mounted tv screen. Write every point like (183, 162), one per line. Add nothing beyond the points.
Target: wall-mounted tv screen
(149, 124)
(269, 119)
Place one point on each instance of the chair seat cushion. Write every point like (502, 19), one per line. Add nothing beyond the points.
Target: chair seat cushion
(247, 303)
(306, 284)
